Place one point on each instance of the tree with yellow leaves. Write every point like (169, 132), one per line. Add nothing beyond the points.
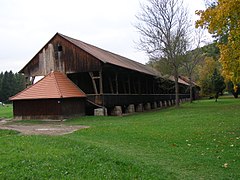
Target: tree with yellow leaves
(222, 19)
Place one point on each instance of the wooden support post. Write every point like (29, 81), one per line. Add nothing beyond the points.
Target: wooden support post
(116, 81)
(139, 86)
(100, 82)
(110, 84)
(129, 85)
(153, 90)
(94, 83)
(146, 86)
(124, 86)
(134, 87)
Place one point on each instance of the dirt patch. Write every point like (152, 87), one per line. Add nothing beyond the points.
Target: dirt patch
(44, 129)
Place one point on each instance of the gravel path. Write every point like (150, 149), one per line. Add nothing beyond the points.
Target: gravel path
(50, 128)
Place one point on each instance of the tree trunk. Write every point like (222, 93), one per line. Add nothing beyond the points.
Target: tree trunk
(191, 89)
(176, 91)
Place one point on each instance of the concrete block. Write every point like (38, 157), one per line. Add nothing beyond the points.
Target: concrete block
(154, 105)
(100, 112)
(165, 103)
(130, 108)
(139, 108)
(117, 111)
(147, 106)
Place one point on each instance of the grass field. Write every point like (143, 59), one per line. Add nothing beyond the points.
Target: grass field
(197, 141)
(6, 111)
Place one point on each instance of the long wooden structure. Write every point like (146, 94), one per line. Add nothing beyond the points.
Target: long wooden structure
(106, 78)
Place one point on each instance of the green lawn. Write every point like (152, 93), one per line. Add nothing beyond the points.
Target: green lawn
(197, 141)
(6, 111)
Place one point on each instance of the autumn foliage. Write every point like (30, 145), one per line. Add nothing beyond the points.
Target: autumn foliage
(222, 19)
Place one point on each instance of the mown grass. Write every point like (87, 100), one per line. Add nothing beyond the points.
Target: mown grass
(6, 111)
(197, 141)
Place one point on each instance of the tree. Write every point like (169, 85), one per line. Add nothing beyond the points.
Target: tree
(19, 82)
(221, 19)
(230, 87)
(205, 71)
(164, 27)
(1, 79)
(210, 79)
(10, 84)
(7, 85)
(218, 83)
(191, 60)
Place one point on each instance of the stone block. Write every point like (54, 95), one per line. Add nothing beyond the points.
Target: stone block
(154, 105)
(139, 108)
(147, 106)
(117, 111)
(100, 112)
(130, 108)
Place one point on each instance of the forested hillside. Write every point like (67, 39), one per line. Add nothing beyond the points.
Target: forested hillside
(10, 84)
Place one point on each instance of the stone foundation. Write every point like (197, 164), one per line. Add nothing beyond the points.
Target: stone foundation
(117, 111)
(139, 108)
(154, 105)
(100, 112)
(130, 108)
(147, 106)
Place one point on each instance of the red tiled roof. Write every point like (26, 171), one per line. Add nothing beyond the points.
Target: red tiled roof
(54, 85)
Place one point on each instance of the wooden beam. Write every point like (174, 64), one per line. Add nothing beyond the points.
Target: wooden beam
(110, 84)
(129, 85)
(124, 86)
(139, 86)
(146, 85)
(134, 87)
(100, 82)
(93, 82)
(153, 83)
(116, 81)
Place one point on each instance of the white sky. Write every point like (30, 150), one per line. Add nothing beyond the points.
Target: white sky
(27, 25)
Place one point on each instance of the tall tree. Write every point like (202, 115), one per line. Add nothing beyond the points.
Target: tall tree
(221, 19)
(218, 83)
(164, 27)
(1, 79)
(19, 82)
(205, 71)
(7, 85)
(192, 59)
(10, 84)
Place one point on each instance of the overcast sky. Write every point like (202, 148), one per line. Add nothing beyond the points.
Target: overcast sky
(27, 25)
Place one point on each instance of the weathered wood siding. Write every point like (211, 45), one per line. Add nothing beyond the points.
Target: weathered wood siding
(70, 59)
(48, 108)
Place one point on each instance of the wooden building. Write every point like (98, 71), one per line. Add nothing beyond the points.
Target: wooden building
(107, 79)
(53, 97)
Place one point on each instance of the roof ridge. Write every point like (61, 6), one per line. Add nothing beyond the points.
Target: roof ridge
(56, 83)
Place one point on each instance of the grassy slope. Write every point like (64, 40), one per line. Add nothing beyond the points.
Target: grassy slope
(193, 142)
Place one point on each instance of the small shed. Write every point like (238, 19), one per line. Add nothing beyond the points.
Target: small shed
(53, 97)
